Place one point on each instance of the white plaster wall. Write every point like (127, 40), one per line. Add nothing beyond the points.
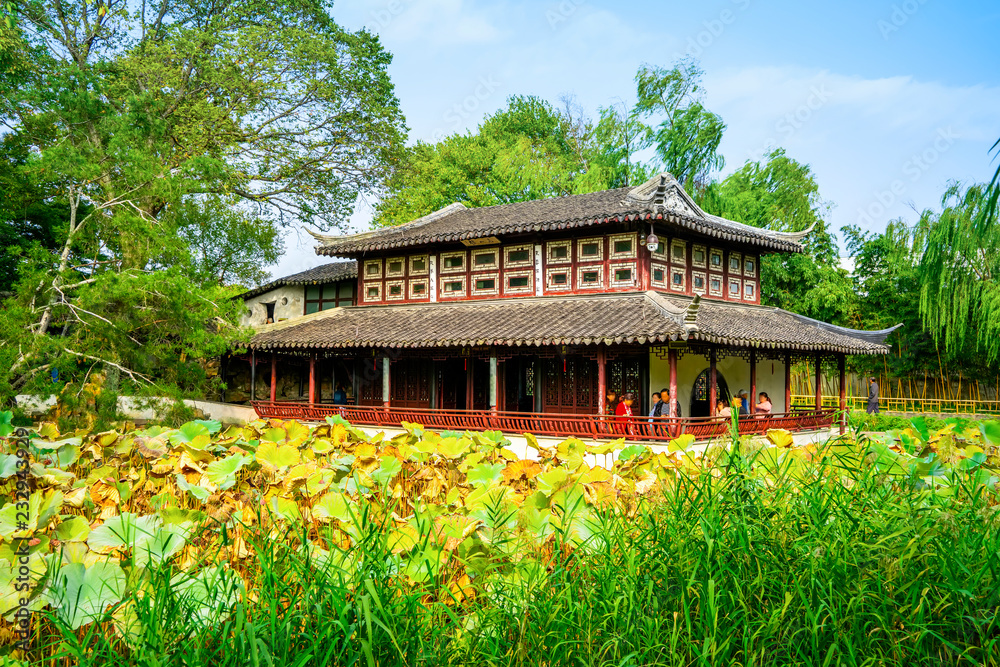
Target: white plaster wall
(736, 371)
(289, 302)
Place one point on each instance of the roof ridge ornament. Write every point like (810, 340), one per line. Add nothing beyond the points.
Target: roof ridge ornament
(691, 314)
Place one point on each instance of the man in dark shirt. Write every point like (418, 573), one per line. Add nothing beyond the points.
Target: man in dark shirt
(665, 397)
(873, 397)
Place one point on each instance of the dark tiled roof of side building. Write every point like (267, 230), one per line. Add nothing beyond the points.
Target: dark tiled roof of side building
(324, 273)
(660, 198)
(636, 317)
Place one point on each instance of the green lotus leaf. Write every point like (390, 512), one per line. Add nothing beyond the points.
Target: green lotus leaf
(166, 542)
(199, 492)
(123, 532)
(274, 435)
(454, 448)
(486, 474)
(209, 596)
(551, 481)
(8, 465)
(73, 529)
(193, 435)
(49, 445)
(333, 505)
(81, 595)
(212, 425)
(286, 508)
(277, 456)
(11, 518)
(681, 443)
(222, 472)
(388, 468)
(990, 431)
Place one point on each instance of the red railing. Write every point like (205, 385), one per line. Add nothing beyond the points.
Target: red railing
(558, 425)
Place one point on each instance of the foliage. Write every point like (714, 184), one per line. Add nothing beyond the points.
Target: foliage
(688, 135)
(960, 294)
(136, 135)
(279, 543)
(782, 194)
(522, 152)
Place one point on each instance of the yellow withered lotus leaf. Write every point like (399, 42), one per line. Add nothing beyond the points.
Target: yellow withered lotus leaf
(76, 497)
(365, 452)
(522, 469)
(780, 437)
(106, 439)
(460, 590)
(48, 430)
(600, 494)
(104, 494)
(451, 530)
(596, 474)
(403, 539)
(272, 456)
(186, 463)
(645, 483)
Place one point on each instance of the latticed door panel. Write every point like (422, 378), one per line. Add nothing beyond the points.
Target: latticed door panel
(411, 383)
(570, 386)
(625, 375)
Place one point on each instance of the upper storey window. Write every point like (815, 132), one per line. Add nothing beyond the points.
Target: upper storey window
(452, 262)
(394, 268)
(590, 250)
(623, 246)
(715, 260)
(517, 256)
(373, 268)
(698, 256)
(559, 252)
(418, 265)
(331, 295)
(484, 259)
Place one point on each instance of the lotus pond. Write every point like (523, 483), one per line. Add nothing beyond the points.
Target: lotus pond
(276, 543)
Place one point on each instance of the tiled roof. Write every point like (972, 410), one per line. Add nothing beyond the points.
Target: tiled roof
(660, 198)
(636, 317)
(324, 273)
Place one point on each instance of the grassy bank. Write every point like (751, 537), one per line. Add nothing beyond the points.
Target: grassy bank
(444, 549)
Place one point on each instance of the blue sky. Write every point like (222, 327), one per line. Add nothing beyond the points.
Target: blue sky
(887, 101)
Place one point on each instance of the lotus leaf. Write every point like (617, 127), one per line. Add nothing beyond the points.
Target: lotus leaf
(222, 472)
(193, 435)
(73, 529)
(486, 474)
(779, 437)
(199, 492)
(80, 595)
(277, 457)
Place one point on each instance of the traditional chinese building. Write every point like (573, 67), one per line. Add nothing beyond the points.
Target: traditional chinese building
(519, 317)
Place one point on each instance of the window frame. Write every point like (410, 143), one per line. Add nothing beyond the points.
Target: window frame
(631, 253)
(445, 256)
(492, 266)
(377, 286)
(632, 281)
(599, 257)
(678, 271)
(551, 286)
(528, 288)
(416, 296)
(414, 272)
(457, 294)
(752, 286)
(486, 291)
(373, 276)
(704, 278)
(703, 264)
(521, 263)
(389, 284)
(552, 245)
(598, 269)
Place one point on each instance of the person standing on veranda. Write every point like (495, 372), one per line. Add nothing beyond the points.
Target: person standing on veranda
(872, 397)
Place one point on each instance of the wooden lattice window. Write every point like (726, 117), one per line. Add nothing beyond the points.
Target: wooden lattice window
(330, 295)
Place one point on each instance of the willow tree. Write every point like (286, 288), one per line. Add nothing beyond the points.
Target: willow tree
(129, 111)
(960, 271)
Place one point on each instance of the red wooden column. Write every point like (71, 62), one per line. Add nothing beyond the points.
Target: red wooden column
(672, 360)
(312, 378)
(788, 381)
(819, 381)
(274, 376)
(713, 382)
(753, 380)
(842, 369)
(602, 380)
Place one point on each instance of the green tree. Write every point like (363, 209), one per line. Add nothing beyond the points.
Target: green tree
(959, 269)
(687, 135)
(528, 150)
(129, 112)
(781, 194)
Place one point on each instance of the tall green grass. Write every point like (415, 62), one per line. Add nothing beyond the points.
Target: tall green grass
(727, 567)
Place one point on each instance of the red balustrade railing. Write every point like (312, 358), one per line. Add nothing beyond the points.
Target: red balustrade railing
(549, 424)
